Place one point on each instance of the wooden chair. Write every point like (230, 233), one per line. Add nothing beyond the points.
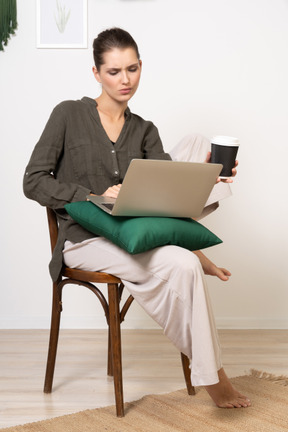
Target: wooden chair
(114, 317)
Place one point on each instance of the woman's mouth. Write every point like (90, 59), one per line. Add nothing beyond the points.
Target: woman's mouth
(125, 91)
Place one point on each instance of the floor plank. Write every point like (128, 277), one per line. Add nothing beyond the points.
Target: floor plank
(150, 365)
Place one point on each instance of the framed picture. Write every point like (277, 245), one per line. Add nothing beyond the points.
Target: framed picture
(61, 23)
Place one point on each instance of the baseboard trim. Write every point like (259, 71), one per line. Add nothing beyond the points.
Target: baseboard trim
(96, 322)
(252, 323)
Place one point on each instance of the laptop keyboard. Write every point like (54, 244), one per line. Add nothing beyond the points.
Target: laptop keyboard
(108, 206)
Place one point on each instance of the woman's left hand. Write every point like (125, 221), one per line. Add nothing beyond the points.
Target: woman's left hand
(234, 170)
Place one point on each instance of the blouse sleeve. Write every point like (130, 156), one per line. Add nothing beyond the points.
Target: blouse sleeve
(153, 147)
(39, 183)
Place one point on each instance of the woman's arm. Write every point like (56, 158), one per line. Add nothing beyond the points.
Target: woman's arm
(152, 144)
(39, 183)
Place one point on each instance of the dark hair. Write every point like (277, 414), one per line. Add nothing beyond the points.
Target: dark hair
(109, 39)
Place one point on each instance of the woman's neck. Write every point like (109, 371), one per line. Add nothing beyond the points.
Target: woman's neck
(111, 116)
(111, 108)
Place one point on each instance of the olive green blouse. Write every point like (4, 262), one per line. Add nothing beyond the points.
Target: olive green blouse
(75, 157)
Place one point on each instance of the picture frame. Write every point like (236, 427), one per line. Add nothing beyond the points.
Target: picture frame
(61, 24)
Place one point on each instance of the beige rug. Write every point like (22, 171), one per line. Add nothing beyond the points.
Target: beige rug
(178, 412)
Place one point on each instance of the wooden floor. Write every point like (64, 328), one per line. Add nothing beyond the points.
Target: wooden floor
(150, 365)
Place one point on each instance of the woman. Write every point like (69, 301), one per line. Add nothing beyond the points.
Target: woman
(87, 146)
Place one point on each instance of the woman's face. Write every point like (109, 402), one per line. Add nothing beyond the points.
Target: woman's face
(120, 73)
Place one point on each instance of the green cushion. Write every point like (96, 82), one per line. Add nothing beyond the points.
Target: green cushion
(139, 234)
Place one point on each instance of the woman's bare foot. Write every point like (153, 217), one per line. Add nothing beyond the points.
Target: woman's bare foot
(224, 395)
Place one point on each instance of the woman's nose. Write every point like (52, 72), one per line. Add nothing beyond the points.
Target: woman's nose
(125, 78)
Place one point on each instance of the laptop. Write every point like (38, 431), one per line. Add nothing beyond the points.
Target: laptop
(162, 188)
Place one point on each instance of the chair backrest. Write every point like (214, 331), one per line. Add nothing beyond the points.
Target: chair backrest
(53, 227)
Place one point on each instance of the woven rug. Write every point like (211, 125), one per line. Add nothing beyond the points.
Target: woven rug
(178, 412)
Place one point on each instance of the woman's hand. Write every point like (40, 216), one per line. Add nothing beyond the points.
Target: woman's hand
(112, 192)
(234, 170)
(211, 269)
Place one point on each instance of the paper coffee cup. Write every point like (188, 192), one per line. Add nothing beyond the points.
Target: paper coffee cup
(224, 151)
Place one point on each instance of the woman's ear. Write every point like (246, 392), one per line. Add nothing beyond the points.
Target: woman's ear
(96, 74)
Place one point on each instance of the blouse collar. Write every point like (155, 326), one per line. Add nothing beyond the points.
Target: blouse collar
(93, 103)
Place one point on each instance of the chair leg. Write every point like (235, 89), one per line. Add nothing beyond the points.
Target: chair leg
(187, 374)
(53, 342)
(115, 334)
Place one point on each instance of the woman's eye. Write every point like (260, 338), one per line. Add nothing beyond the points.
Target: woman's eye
(115, 72)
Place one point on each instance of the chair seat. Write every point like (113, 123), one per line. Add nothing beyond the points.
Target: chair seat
(89, 276)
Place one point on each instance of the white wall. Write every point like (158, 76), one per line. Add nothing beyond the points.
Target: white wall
(214, 67)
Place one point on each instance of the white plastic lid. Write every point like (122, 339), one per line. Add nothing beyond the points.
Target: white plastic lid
(225, 140)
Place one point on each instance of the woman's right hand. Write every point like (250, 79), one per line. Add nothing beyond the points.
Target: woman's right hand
(112, 192)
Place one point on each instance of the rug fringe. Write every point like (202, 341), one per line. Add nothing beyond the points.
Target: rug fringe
(277, 379)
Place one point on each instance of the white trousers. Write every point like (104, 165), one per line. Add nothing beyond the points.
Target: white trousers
(168, 282)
